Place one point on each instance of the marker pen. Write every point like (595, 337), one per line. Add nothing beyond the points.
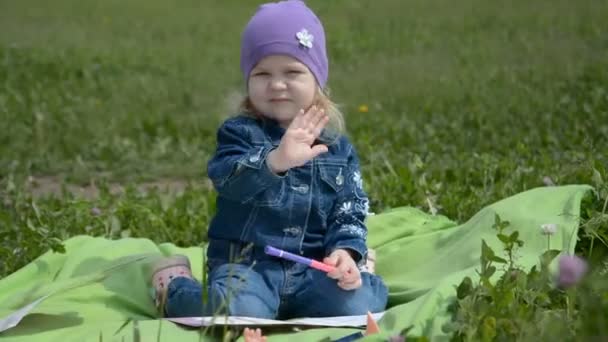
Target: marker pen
(297, 258)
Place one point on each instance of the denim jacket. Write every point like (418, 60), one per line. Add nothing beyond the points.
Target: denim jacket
(310, 210)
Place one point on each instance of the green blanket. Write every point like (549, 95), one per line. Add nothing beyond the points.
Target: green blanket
(99, 293)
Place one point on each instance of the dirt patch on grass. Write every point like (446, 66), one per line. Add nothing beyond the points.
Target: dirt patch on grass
(44, 186)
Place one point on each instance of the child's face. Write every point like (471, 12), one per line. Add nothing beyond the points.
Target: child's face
(279, 86)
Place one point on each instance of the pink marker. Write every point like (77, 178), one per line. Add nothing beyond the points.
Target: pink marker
(290, 256)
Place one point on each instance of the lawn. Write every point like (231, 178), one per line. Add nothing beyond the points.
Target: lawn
(108, 111)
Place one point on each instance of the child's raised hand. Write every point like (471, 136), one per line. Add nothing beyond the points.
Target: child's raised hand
(296, 147)
(346, 272)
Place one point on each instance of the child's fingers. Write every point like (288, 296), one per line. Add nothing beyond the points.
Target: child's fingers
(351, 274)
(315, 114)
(318, 149)
(349, 282)
(340, 272)
(251, 335)
(308, 116)
(331, 260)
(297, 120)
(336, 273)
(350, 286)
(315, 118)
(323, 120)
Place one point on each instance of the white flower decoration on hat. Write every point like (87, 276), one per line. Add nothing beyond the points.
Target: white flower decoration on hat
(305, 38)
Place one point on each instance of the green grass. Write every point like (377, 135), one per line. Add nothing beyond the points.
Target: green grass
(469, 103)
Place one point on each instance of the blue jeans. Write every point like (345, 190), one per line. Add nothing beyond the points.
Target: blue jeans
(273, 289)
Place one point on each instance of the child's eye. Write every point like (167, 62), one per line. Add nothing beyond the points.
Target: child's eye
(294, 72)
(261, 73)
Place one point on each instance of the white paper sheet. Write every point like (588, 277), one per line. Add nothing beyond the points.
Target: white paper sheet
(337, 321)
(13, 319)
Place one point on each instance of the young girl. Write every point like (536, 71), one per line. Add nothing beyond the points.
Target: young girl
(286, 177)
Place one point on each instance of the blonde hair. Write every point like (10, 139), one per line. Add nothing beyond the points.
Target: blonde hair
(335, 126)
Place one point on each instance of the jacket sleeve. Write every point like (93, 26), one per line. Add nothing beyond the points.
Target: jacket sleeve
(238, 168)
(346, 222)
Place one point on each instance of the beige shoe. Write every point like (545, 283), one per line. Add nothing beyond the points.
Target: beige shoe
(371, 261)
(165, 270)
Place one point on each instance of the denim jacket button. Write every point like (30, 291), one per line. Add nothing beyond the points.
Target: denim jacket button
(254, 158)
(339, 179)
(292, 231)
(303, 189)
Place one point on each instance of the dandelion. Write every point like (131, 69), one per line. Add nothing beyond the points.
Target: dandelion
(363, 109)
(571, 270)
(548, 229)
(548, 181)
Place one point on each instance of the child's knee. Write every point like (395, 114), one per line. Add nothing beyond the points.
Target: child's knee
(253, 300)
(372, 299)
(371, 296)
(244, 291)
(250, 305)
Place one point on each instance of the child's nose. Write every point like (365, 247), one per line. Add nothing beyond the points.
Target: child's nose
(278, 83)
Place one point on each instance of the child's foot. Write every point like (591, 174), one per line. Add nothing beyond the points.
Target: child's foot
(371, 261)
(251, 335)
(165, 270)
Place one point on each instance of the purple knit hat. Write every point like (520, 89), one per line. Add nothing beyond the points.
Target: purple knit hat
(285, 28)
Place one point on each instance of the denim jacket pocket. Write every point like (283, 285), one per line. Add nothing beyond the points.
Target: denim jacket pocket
(333, 173)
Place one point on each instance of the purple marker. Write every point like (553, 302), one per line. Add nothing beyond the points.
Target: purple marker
(290, 256)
